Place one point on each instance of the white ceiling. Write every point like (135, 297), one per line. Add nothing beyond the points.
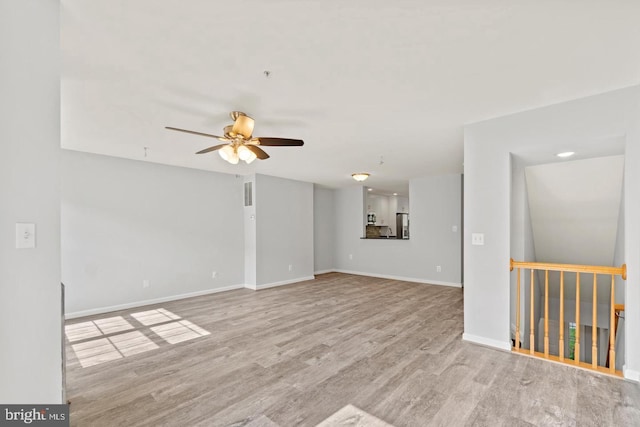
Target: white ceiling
(355, 79)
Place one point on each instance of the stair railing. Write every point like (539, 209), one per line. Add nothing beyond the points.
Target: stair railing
(569, 268)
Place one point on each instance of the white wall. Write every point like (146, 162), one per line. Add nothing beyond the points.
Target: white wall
(349, 224)
(125, 221)
(619, 255)
(619, 258)
(632, 234)
(324, 229)
(284, 231)
(574, 209)
(30, 316)
(522, 249)
(487, 201)
(435, 208)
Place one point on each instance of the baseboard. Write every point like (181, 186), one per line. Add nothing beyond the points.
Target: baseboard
(101, 310)
(631, 374)
(488, 342)
(281, 283)
(401, 278)
(324, 271)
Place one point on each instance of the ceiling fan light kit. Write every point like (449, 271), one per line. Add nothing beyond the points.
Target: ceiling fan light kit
(233, 154)
(229, 154)
(240, 144)
(360, 176)
(245, 154)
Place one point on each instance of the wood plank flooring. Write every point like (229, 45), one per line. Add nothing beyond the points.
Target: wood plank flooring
(295, 355)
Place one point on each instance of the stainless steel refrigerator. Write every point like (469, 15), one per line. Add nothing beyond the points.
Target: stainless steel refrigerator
(402, 225)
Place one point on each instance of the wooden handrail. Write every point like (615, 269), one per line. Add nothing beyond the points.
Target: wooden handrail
(573, 268)
(615, 309)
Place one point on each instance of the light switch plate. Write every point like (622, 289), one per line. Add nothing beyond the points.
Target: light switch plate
(477, 239)
(25, 235)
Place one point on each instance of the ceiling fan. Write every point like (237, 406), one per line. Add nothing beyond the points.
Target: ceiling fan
(240, 144)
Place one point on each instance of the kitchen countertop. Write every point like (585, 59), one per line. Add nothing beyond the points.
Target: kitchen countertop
(381, 238)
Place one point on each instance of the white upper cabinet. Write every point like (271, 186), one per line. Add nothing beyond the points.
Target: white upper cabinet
(386, 207)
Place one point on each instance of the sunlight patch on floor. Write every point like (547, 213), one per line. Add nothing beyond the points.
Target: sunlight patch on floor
(153, 317)
(132, 343)
(81, 331)
(96, 328)
(353, 417)
(176, 332)
(94, 352)
(112, 325)
(103, 340)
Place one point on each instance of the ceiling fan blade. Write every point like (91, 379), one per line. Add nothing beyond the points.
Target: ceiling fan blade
(214, 148)
(243, 126)
(221, 138)
(280, 142)
(259, 152)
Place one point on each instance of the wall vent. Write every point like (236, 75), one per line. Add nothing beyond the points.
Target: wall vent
(248, 194)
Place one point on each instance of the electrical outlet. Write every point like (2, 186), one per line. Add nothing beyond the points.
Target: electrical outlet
(214, 274)
(290, 267)
(438, 269)
(145, 283)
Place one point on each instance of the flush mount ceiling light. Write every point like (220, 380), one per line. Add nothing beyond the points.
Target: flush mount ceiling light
(565, 154)
(361, 176)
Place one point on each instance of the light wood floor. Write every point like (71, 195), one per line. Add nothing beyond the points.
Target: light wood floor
(294, 355)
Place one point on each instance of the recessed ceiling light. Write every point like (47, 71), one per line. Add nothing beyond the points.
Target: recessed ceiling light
(566, 154)
(369, 189)
(395, 194)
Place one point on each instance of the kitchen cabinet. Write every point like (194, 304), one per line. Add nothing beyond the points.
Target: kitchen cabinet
(402, 204)
(386, 208)
(380, 206)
